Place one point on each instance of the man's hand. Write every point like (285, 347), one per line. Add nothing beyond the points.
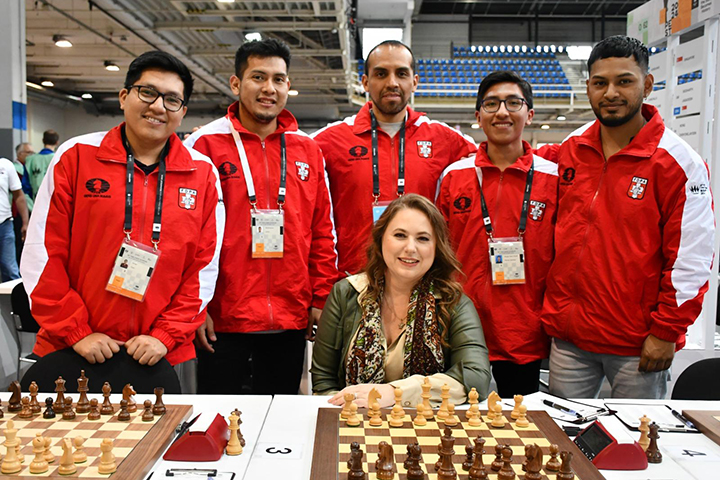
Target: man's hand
(23, 231)
(657, 355)
(206, 332)
(97, 347)
(314, 320)
(147, 350)
(361, 393)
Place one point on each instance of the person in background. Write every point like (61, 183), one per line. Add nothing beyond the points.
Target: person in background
(37, 164)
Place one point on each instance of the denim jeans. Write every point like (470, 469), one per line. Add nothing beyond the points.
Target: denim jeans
(8, 262)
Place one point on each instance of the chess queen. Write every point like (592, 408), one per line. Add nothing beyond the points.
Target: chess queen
(405, 317)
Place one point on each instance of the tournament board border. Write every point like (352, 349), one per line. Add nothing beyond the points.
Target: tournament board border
(706, 422)
(145, 453)
(325, 463)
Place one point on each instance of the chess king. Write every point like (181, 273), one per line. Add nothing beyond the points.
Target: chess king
(502, 201)
(89, 253)
(635, 236)
(279, 259)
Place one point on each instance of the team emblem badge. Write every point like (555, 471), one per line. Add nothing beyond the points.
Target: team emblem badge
(637, 188)
(303, 170)
(537, 210)
(187, 198)
(424, 148)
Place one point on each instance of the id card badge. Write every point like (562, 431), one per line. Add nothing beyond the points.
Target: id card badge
(507, 258)
(378, 209)
(268, 230)
(133, 269)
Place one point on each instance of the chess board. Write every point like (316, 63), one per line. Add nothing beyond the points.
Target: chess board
(707, 421)
(333, 438)
(136, 444)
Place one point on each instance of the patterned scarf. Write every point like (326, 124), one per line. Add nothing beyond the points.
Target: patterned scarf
(422, 351)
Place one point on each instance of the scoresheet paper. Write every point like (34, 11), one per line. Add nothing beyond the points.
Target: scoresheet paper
(630, 414)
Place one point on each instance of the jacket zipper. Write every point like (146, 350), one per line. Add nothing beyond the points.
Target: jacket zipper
(268, 265)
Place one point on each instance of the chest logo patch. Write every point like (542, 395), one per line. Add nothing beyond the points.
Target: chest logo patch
(462, 204)
(358, 151)
(637, 188)
(227, 169)
(97, 187)
(303, 170)
(537, 210)
(187, 198)
(424, 148)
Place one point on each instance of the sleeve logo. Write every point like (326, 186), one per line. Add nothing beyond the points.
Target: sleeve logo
(187, 198)
(638, 185)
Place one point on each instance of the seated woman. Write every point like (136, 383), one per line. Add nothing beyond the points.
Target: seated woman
(403, 319)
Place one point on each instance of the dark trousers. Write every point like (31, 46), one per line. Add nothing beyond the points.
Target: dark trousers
(253, 363)
(513, 379)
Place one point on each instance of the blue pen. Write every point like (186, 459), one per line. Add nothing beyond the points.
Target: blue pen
(561, 408)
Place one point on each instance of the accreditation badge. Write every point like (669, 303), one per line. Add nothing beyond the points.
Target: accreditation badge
(268, 230)
(133, 269)
(378, 209)
(507, 259)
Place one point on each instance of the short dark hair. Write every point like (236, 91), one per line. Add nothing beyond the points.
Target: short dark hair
(156, 59)
(50, 137)
(620, 46)
(268, 47)
(504, 76)
(394, 43)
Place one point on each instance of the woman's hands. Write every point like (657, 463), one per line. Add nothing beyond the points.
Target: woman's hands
(361, 393)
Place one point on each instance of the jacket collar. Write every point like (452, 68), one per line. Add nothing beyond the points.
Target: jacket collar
(363, 123)
(286, 121)
(360, 283)
(643, 145)
(522, 163)
(112, 150)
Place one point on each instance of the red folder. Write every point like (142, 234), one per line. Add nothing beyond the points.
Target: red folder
(199, 446)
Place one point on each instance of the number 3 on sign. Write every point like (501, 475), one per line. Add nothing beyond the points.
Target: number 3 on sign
(693, 453)
(279, 451)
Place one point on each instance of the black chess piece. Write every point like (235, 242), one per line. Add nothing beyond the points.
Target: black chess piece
(506, 472)
(468, 457)
(566, 471)
(355, 464)
(385, 464)
(497, 464)
(653, 452)
(412, 462)
(49, 412)
(477, 471)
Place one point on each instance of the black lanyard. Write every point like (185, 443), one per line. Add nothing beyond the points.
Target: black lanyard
(376, 167)
(130, 180)
(523, 211)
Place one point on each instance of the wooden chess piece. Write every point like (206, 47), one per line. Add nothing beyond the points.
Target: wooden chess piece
(497, 464)
(375, 415)
(473, 416)
(67, 464)
(447, 469)
(353, 420)
(427, 408)
(355, 464)
(534, 464)
(239, 433)
(412, 463)
(124, 415)
(79, 456)
(60, 399)
(477, 470)
(10, 462)
(566, 472)
(107, 458)
(397, 414)
(451, 420)
(553, 464)
(469, 457)
(83, 404)
(515, 414)
(26, 411)
(1, 412)
(644, 430)
(506, 471)
(473, 396)
(18, 452)
(420, 419)
(159, 406)
(147, 415)
(107, 406)
(127, 393)
(68, 412)
(445, 396)
(492, 400)
(14, 402)
(34, 404)
(233, 445)
(39, 464)
(653, 452)
(498, 420)
(49, 457)
(522, 421)
(49, 412)
(94, 410)
(349, 399)
(385, 464)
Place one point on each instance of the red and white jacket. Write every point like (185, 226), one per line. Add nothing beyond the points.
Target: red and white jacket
(347, 145)
(510, 314)
(255, 294)
(76, 231)
(634, 240)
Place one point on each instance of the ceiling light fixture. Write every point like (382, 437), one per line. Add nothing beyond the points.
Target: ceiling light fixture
(293, 93)
(61, 41)
(253, 37)
(34, 85)
(111, 66)
(561, 118)
(475, 126)
(47, 83)
(87, 96)
(545, 127)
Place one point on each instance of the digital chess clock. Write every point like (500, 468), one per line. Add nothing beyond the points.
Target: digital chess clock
(601, 448)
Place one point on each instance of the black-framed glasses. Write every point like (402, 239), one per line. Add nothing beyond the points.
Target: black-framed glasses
(147, 94)
(512, 104)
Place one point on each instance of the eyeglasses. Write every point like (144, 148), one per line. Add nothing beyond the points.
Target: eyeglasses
(172, 103)
(512, 104)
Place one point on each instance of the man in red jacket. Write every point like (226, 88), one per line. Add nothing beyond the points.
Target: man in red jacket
(383, 151)
(278, 258)
(634, 238)
(504, 270)
(110, 262)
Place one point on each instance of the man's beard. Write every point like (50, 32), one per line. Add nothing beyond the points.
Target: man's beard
(618, 121)
(391, 110)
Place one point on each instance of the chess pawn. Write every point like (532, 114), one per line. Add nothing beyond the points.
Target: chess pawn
(353, 420)
(11, 463)
(94, 410)
(522, 421)
(473, 416)
(644, 429)
(107, 459)
(67, 465)
(34, 405)
(79, 456)
(39, 464)
(420, 419)
(375, 415)
(506, 471)
(147, 415)
(26, 411)
(124, 415)
(49, 457)
(469, 457)
(553, 464)
(451, 420)
(397, 414)
(68, 412)
(498, 420)
(233, 446)
(515, 414)
(49, 412)
(398, 399)
(159, 407)
(1, 412)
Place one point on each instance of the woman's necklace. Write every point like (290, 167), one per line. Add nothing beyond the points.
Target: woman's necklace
(401, 321)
